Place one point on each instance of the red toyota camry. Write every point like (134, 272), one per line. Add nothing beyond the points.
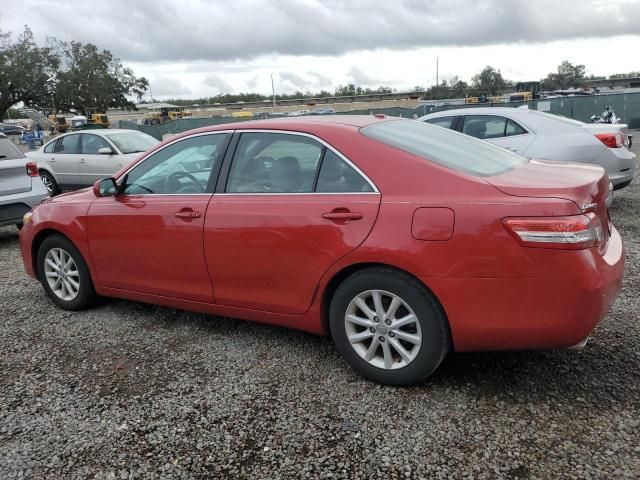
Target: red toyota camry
(400, 239)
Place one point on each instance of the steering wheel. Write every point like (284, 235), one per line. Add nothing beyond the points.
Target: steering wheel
(173, 184)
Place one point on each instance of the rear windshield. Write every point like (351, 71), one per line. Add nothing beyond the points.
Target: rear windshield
(558, 118)
(8, 151)
(445, 147)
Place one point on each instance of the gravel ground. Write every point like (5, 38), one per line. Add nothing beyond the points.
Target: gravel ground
(127, 390)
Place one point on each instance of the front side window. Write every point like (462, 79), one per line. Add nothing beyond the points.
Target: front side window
(92, 143)
(337, 176)
(183, 167)
(68, 144)
(132, 142)
(444, 122)
(445, 147)
(484, 126)
(274, 163)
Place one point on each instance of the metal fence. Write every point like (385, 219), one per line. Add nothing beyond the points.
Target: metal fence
(626, 106)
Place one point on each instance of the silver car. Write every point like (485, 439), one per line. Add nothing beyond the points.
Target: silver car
(544, 136)
(78, 159)
(20, 186)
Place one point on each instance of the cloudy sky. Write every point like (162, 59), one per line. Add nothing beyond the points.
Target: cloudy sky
(194, 48)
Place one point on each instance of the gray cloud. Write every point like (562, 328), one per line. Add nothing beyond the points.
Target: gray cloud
(151, 31)
(219, 83)
(162, 85)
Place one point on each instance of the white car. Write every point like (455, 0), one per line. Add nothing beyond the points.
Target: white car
(544, 136)
(79, 159)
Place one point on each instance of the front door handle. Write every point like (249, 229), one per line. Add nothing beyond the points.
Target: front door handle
(342, 215)
(82, 160)
(187, 214)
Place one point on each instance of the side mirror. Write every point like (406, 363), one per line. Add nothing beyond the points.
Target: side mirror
(105, 151)
(107, 187)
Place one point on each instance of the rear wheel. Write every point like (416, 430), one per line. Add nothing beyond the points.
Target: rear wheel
(64, 274)
(49, 182)
(388, 326)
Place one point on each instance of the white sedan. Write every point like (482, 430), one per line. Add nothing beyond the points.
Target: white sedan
(540, 135)
(78, 159)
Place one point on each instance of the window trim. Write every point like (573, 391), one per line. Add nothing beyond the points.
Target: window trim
(224, 173)
(209, 190)
(463, 117)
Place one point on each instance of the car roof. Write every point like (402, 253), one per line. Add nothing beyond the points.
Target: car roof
(308, 124)
(507, 111)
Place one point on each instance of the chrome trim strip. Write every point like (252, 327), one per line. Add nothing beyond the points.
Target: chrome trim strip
(293, 193)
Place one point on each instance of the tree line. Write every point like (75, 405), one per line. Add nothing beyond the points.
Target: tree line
(63, 76)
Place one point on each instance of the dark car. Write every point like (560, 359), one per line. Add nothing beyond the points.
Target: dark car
(8, 129)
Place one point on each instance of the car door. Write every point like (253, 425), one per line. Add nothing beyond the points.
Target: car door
(149, 237)
(501, 131)
(64, 161)
(286, 208)
(94, 165)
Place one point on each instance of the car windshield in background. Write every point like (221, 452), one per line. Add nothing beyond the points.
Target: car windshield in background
(132, 142)
(445, 147)
(8, 151)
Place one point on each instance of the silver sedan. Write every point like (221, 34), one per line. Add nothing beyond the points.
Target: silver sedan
(20, 186)
(78, 159)
(540, 135)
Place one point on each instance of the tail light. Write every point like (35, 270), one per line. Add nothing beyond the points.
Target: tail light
(611, 140)
(32, 169)
(574, 232)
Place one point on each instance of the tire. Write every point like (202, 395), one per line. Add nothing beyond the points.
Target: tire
(49, 182)
(388, 366)
(58, 247)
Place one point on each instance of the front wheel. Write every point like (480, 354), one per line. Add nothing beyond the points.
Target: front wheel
(388, 326)
(64, 274)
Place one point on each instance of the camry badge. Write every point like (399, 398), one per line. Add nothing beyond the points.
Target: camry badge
(588, 206)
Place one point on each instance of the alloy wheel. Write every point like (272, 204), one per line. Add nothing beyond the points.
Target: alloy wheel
(62, 274)
(383, 329)
(47, 182)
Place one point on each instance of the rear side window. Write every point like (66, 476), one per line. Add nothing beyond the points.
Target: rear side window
(68, 144)
(445, 147)
(445, 122)
(8, 151)
(50, 148)
(274, 163)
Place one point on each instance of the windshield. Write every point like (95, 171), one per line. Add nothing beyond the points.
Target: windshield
(445, 147)
(8, 151)
(132, 142)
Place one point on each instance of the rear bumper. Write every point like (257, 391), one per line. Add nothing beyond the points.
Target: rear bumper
(620, 164)
(13, 207)
(556, 309)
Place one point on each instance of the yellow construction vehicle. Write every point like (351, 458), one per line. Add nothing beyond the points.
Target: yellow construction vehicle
(99, 119)
(60, 124)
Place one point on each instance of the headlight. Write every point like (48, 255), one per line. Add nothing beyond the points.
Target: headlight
(27, 217)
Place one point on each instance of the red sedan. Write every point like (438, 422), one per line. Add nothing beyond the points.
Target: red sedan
(400, 239)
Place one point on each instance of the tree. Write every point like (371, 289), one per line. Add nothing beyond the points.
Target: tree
(92, 80)
(568, 76)
(624, 75)
(24, 71)
(489, 81)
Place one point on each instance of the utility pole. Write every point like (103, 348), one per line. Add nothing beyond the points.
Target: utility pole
(150, 92)
(273, 93)
(437, 62)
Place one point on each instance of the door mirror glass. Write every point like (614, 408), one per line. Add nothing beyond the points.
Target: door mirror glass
(105, 151)
(107, 187)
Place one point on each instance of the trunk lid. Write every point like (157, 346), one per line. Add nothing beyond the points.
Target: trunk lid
(585, 185)
(13, 177)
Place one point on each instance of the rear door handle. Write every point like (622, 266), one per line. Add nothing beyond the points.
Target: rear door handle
(52, 159)
(82, 160)
(342, 215)
(187, 214)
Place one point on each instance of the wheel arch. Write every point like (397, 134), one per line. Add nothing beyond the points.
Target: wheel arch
(338, 277)
(40, 237)
(48, 171)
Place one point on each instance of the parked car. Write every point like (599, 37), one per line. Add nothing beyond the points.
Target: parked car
(20, 185)
(545, 136)
(402, 240)
(75, 160)
(9, 129)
